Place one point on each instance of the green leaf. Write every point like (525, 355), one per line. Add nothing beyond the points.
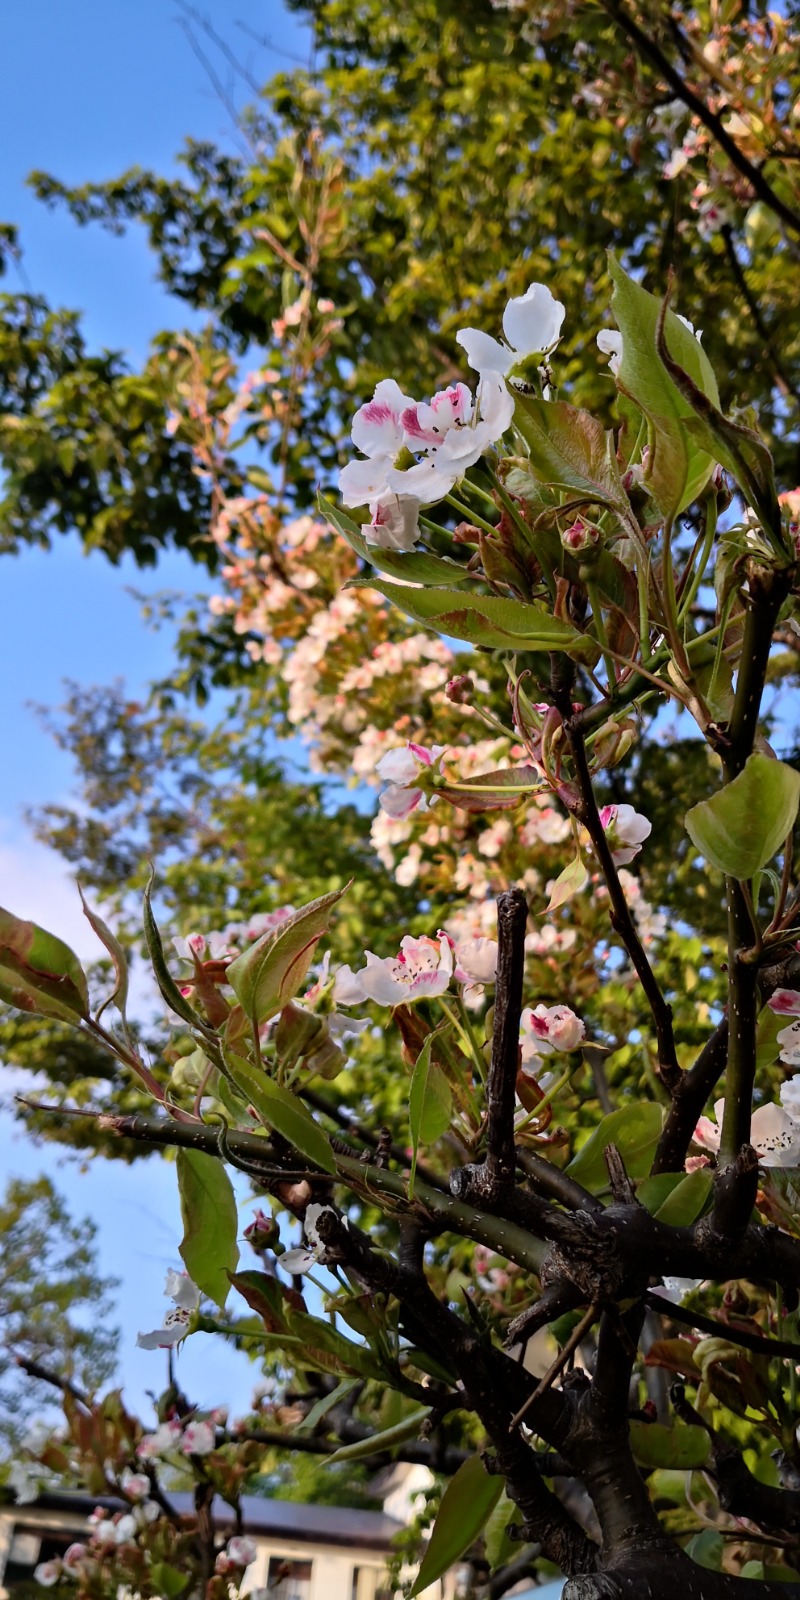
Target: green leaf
(266, 1296)
(387, 1440)
(634, 1129)
(39, 973)
(681, 1446)
(269, 974)
(706, 1549)
(482, 619)
(679, 470)
(415, 567)
(570, 449)
(499, 1546)
(742, 827)
(323, 1406)
(210, 1223)
(676, 1197)
(167, 1580)
(430, 1105)
(465, 1506)
(281, 1110)
(522, 781)
(568, 883)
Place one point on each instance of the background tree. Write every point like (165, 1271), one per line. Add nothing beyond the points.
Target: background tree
(55, 1307)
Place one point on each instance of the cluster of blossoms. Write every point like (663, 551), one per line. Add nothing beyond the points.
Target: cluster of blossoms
(450, 433)
(108, 1533)
(235, 937)
(422, 970)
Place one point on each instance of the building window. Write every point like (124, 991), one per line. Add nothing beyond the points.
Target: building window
(370, 1584)
(288, 1579)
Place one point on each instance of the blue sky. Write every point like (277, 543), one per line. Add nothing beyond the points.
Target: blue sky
(114, 85)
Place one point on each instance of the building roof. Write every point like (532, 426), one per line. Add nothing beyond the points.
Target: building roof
(335, 1525)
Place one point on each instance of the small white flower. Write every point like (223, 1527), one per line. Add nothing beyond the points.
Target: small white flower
(400, 769)
(394, 523)
(476, 961)
(23, 1478)
(198, 1439)
(626, 830)
(135, 1484)
(186, 1295)
(377, 430)
(47, 1573)
(159, 1443)
(126, 1529)
(774, 1133)
(241, 1551)
(421, 970)
(532, 326)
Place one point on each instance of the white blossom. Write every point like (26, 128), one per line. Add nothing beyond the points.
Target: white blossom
(774, 1133)
(186, 1297)
(532, 327)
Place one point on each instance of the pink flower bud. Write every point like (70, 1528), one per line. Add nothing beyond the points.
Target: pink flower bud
(461, 690)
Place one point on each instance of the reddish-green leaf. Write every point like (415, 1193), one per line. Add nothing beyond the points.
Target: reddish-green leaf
(269, 974)
(39, 973)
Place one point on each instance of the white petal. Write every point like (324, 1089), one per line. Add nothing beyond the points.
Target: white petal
(532, 321)
(609, 343)
(298, 1261)
(398, 802)
(398, 766)
(363, 481)
(347, 988)
(161, 1338)
(776, 1136)
(427, 481)
(376, 428)
(180, 1288)
(380, 986)
(484, 353)
(394, 523)
(496, 403)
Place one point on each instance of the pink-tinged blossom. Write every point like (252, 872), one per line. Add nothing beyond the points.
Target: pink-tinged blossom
(153, 1445)
(626, 830)
(476, 961)
(186, 1295)
(532, 327)
(549, 1028)
(394, 523)
(47, 1573)
(400, 768)
(208, 947)
(421, 970)
(76, 1558)
(198, 1439)
(135, 1484)
(377, 431)
(239, 1552)
(774, 1133)
(426, 425)
(461, 445)
(786, 1002)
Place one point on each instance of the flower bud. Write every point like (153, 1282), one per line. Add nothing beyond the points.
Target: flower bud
(580, 537)
(262, 1232)
(461, 690)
